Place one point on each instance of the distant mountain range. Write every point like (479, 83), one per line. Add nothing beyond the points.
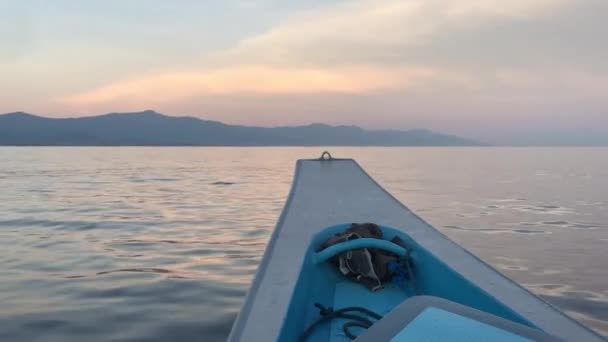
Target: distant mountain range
(150, 128)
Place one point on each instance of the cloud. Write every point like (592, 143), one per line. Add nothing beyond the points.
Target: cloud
(376, 31)
(178, 86)
(442, 63)
(333, 49)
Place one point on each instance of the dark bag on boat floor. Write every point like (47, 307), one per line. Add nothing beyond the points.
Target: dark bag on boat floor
(368, 266)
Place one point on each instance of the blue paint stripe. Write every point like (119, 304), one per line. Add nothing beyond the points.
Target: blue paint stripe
(356, 244)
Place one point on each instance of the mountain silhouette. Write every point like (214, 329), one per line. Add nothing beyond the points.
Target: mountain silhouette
(149, 128)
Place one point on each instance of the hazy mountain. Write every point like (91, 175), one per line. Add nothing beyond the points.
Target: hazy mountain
(151, 128)
(556, 137)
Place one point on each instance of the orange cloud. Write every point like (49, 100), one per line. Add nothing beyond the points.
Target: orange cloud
(171, 87)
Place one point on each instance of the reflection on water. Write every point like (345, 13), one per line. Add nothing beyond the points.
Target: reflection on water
(157, 244)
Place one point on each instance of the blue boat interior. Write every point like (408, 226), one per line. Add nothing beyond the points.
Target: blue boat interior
(321, 282)
(453, 328)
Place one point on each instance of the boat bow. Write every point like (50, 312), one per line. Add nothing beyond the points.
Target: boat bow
(327, 192)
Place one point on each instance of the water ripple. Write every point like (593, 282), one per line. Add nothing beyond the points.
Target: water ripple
(160, 244)
(498, 231)
(143, 269)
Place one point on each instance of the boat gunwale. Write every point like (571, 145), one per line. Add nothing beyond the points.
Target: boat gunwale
(237, 328)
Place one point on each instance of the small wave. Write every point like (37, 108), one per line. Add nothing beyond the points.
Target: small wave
(240, 255)
(569, 292)
(499, 231)
(46, 324)
(175, 276)
(571, 225)
(550, 286)
(474, 215)
(549, 272)
(529, 231)
(512, 267)
(61, 225)
(556, 223)
(152, 241)
(507, 200)
(544, 209)
(137, 270)
(223, 183)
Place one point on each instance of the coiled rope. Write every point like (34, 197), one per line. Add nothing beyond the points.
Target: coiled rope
(327, 314)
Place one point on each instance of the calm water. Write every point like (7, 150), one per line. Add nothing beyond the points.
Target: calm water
(160, 244)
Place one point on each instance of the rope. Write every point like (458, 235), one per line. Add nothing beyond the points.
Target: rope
(410, 273)
(399, 274)
(412, 281)
(327, 314)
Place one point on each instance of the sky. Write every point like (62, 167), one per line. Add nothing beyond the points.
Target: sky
(487, 69)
